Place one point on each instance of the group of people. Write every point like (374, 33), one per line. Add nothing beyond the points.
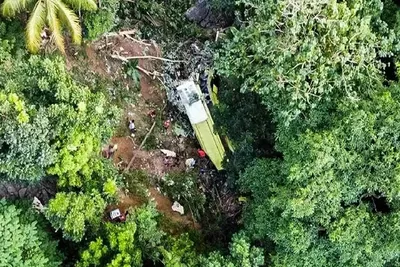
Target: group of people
(110, 149)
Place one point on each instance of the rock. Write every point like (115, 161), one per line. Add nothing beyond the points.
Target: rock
(22, 192)
(178, 208)
(3, 191)
(11, 190)
(45, 196)
(207, 17)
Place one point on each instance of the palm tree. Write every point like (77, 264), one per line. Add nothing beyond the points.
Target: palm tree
(53, 14)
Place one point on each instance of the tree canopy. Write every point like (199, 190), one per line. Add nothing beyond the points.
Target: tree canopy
(309, 97)
(52, 14)
(331, 198)
(24, 241)
(50, 125)
(303, 55)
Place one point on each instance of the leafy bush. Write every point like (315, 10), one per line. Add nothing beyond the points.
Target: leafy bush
(23, 240)
(247, 124)
(241, 254)
(304, 59)
(183, 187)
(115, 247)
(137, 182)
(132, 71)
(101, 21)
(74, 213)
(179, 251)
(126, 244)
(148, 236)
(159, 19)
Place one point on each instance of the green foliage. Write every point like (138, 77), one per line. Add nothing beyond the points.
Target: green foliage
(25, 151)
(179, 252)
(149, 235)
(151, 142)
(53, 15)
(11, 36)
(132, 71)
(126, 244)
(102, 20)
(391, 14)
(159, 19)
(304, 58)
(12, 104)
(116, 249)
(182, 187)
(330, 198)
(50, 123)
(223, 5)
(73, 213)
(241, 254)
(137, 181)
(73, 161)
(333, 190)
(23, 241)
(238, 116)
(110, 189)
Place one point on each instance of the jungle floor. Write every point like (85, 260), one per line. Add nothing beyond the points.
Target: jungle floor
(105, 59)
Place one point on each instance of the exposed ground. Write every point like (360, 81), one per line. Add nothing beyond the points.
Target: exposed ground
(105, 58)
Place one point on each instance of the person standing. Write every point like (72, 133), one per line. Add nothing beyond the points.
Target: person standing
(132, 127)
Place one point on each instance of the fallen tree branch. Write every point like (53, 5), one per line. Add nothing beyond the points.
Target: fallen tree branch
(136, 40)
(143, 142)
(141, 145)
(127, 32)
(146, 57)
(153, 74)
(147, 135)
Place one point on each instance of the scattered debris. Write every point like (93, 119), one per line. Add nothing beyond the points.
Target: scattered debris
(125, 59)
(207, 16)
(37, 205)
(190, 163)
(168, 153)
(178, 208)
(201, 153)
(114, 214)
(117, 216)
(168, 162)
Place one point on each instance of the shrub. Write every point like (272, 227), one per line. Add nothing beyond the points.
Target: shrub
(102, 20)
(183, 187)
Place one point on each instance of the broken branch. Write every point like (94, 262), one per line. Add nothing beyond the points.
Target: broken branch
(153, 74)
(141, 145)
(143, 142)
(145, 57)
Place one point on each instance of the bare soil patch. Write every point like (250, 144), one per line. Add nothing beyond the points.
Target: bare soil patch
(151, 97)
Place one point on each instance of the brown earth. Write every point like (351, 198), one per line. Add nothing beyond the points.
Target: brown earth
(152, 97)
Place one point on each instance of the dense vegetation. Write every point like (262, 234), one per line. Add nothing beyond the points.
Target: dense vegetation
(309, 97)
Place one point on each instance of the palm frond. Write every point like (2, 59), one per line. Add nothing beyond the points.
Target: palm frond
(54, 24)
(35, 26)
(82, 4)
(71, 21)
(10, 8)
